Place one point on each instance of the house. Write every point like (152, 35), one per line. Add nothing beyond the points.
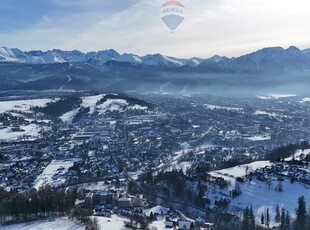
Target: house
(138, 201)
(184, 225)
(124, 202)
(99, 197)
(169, 224)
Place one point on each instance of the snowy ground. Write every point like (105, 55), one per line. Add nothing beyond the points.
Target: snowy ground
(276, 96)
(240, 170)
(159, 225)
(217, 107)
(109, 104)
(270, 114)
(31, 130)
(96, 186)
(112, 105)
(67, 117)
(297, 154)
(260, 197)
(113, 223)
(157, 209)
(180, 165)
(257, 194)
(54, 224)
(307, 99)
(54, 174)
(23, 105)
(259, 138)
(91, 101)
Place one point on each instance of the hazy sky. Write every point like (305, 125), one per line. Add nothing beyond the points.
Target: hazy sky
(224, 27)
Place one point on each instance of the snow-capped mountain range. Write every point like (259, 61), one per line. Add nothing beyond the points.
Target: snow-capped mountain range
(59, 56)
(57, 69)
(266, 59)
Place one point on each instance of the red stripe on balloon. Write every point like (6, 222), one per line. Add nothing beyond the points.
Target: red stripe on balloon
(174, 3)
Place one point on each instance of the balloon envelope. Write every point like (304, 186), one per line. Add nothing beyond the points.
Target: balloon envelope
(172, 21)
(172, 14)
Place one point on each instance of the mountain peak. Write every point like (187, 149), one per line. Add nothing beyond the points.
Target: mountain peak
(109, 52)
(293, 50)
(293, 47)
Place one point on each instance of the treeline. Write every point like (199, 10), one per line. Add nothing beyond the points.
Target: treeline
(44, 204)
(130, 100)
(3, 157)
(286, 151)
(173, 184)
(175, 179)
(58, 108)
(82, 111)
(232, 163)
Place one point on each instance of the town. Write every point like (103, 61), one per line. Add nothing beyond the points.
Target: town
(137, 158)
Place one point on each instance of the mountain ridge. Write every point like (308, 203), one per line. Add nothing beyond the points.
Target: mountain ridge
(16, 55)
(107, 69)
(99, 58)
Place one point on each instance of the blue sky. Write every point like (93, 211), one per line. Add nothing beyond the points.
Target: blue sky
(225, 27)
(23, 14)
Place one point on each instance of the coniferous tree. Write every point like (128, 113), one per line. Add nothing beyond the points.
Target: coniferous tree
(192, 227)
(301, 214)
(282, 226)
(248, 219)
(200, 202)
(267, 218)
(251, 218)
(245, 221)
(287, 221)
(152, 217)
(262, 219)
(280, 186)
(278, 214)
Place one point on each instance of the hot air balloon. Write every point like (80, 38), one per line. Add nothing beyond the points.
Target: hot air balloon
(172, 14)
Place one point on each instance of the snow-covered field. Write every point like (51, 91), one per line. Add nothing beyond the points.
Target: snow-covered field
(31, 130)
(307, 99)
(217, 107)
(260, 197)
(22, 105)
(96, 186)
(91, 101)
(270, 114)
(54, 174)
(184, 166)
(297, 154)
(112, 105)
(259, 138)
(53, 224)
(109, 104)
(67, 117)
(240, 170)
(257, 194)
(159, 225)
(276, 96)
(157, 209)
(113, 223)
